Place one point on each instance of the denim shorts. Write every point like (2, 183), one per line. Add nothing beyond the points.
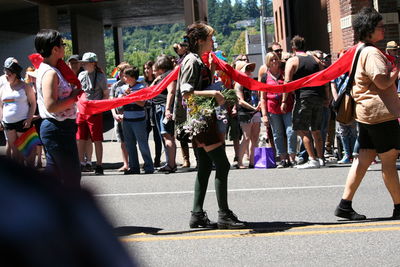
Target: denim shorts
(163, 128)
(307, 113)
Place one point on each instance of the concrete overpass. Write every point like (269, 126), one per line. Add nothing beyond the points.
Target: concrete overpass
(86, 20)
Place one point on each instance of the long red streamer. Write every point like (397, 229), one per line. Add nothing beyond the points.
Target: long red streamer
(97, 106)
(322, 77)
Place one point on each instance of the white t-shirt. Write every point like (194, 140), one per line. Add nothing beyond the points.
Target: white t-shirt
(15, 103)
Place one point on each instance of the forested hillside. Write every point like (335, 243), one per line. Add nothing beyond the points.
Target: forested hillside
(146, 43)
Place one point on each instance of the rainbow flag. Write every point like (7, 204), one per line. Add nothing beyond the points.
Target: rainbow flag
(115, 73)
(28, 141)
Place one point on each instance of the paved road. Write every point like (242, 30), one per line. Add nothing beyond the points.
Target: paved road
(290, 215)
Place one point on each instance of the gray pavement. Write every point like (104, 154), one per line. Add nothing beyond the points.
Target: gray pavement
(290, 215)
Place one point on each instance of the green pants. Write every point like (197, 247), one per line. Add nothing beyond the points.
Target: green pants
(205, 164)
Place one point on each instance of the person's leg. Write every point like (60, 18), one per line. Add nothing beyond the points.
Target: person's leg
(11, 136)
(357, 172)
(277, 124)
(222, 166)
(170, 146)
(319, 144)
(141, 137)
(307, 142)
(390, 174)
(185, 154)
(130, 143)
(61, 151)
(157, 138)
(246, 129)
(291, 136)
(98, 145)
(124, 156)
(88, 154)
(254, 136)
(203, 174)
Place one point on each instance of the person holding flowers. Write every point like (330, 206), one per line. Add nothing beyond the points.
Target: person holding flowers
(194, 78)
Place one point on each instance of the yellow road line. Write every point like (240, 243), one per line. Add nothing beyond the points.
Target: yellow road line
(318, 226)
(301, 233)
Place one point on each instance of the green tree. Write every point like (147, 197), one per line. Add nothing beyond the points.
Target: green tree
(238, 12)
(252, 9)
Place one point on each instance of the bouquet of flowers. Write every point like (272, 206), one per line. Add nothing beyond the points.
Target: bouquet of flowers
(201, 110)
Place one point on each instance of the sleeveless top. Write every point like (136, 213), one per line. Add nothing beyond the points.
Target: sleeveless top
(307, 66)
(15, 104)
(251, 97)
(64, 90)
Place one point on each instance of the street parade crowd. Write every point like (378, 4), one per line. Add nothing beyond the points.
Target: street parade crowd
(201, 102)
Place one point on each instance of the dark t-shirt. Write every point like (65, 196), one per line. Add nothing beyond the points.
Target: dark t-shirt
(307, 66)
(161, 99)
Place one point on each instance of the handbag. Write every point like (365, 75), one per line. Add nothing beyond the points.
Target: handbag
(344, 105)
(264, 158)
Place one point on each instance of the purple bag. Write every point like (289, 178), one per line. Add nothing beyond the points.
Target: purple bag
(264, 157)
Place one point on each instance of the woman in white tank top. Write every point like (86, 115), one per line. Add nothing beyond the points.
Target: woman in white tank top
(17, 106)
(56, 102)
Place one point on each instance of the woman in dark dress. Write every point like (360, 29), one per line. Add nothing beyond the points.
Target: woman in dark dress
(194, 77)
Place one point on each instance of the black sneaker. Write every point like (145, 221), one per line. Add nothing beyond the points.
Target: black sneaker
(282, 164)
(88, 167)
(228, 220)
(200, 220)
(98, 170)
(349, 214)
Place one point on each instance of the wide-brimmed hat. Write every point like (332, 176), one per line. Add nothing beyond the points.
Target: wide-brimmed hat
(243, 65)
(392, 45)
(89, 57)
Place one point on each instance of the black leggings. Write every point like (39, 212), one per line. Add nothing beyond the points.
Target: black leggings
(205, 164)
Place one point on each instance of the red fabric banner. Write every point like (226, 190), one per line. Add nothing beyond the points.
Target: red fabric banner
(97, 106)
(341, 66)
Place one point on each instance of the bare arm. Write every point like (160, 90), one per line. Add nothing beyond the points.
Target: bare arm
(170, 98)
(50, 93)
(32, 105)
(290, 69)
(261, 71)
(242, 102)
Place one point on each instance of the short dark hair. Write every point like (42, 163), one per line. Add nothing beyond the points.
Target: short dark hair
(132, 72)
(45, 40)
(163, 63)
(298, 43)
(365, 22)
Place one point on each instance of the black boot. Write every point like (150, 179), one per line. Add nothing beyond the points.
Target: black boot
(200, 220)
(349, 214)
(228, 220)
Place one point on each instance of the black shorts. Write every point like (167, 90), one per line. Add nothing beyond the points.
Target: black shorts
(17, 126)
(382, 136)
(307, 113)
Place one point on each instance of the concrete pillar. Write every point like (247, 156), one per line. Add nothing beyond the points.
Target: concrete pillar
(118, 45)
(195, 11)
(88, 36)
(48, 17)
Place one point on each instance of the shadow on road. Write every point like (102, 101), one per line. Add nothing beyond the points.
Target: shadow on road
(253, 227)
(130, 230)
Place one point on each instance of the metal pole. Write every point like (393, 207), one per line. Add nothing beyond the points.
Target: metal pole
(262, 31)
